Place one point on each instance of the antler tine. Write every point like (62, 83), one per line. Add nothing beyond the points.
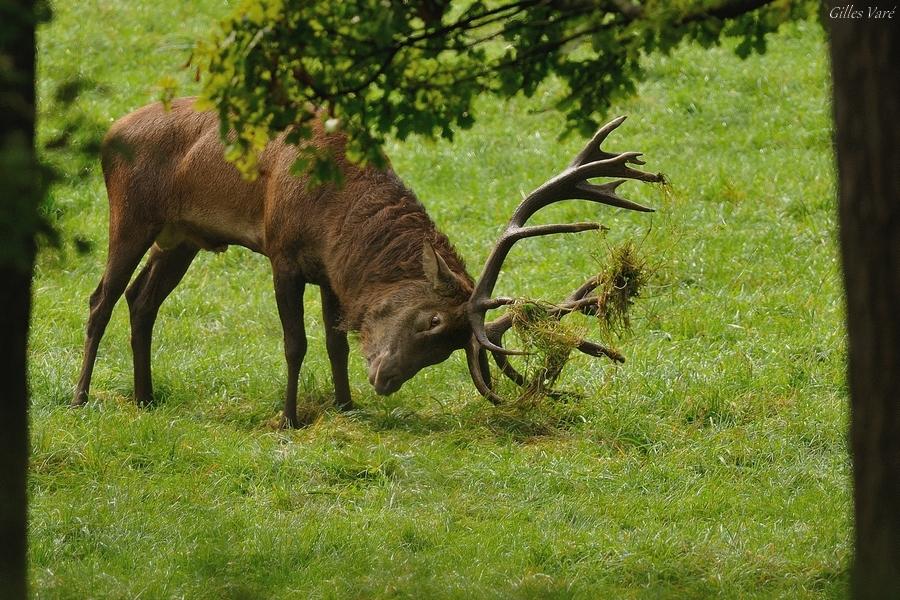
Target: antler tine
(478, 369)
(606, 194)
(572, 183)
(593, 349)
(617, 166)
(495, 330)
(591, 150)
(586, 288)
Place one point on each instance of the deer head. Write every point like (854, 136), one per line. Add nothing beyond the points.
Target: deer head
(417, 324)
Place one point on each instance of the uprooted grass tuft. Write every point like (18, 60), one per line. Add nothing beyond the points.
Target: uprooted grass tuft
(620, 283)
(550, 341)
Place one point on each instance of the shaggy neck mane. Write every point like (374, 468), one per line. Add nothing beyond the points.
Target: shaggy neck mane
(380, 243)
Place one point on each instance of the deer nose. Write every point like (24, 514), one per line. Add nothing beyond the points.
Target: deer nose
(383, 383)
(382, 379)
(386, 386)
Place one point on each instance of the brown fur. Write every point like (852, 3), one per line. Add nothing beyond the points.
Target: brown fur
(363, 243)
(379, 242)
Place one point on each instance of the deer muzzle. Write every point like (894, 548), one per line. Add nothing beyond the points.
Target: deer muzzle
(382, 378)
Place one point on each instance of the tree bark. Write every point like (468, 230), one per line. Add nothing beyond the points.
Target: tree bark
(20, 193)
(865, 62)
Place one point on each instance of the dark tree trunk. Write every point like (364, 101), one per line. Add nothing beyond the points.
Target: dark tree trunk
(19, 198)
(14, 312)
(865, 60)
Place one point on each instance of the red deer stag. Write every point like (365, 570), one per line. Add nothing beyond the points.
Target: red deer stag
(382, 267)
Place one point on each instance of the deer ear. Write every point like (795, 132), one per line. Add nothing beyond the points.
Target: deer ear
(442, 279)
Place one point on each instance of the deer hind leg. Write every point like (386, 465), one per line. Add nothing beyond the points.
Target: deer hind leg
(289, 287)
(162, 273)
(338, 349)
(126, 248)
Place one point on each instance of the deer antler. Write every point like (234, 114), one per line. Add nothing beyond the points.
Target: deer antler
(570, 184)
(577, 301)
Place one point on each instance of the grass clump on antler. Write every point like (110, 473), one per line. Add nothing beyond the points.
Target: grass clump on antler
(551, 340)
(620, 283)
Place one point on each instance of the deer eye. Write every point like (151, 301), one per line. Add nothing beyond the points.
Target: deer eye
(435, 321)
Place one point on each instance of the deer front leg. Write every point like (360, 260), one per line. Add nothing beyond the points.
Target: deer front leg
(338, 349)
(289, 287)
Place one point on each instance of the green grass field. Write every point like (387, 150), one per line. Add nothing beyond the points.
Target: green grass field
(713, 463)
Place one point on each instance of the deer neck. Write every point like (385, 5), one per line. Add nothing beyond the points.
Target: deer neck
(377, 247)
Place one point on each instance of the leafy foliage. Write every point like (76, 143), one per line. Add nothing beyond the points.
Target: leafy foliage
(380, 68)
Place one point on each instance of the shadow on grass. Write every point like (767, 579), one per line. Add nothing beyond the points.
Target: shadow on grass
(120, 391)
(379, 416)
(520, 420)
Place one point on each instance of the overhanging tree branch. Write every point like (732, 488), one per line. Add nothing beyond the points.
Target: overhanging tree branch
(398, 73)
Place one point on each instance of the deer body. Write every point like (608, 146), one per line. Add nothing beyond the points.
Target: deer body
(383, 268)
(364, 243)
